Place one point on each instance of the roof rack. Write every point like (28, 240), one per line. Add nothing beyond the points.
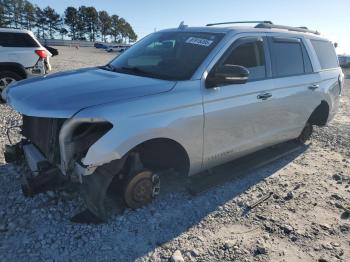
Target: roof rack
(270, 25)
(241, 22)
(302, 29)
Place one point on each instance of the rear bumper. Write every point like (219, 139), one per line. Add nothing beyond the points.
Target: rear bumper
(42, 67)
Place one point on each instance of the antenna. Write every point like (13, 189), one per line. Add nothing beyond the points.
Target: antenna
(182, 25)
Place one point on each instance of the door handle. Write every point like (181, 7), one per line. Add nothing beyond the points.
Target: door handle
(264, 96)
(314, 86)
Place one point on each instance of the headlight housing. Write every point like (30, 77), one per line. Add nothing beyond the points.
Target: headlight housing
(86, 134)
(77, 135)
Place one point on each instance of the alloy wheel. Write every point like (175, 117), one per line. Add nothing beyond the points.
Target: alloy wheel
(5, 81)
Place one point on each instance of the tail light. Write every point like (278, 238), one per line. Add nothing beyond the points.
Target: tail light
(41, 53)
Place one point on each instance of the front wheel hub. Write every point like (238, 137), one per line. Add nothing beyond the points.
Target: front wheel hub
(141, 189)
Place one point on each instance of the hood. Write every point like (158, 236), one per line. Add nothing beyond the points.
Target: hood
(63, 94)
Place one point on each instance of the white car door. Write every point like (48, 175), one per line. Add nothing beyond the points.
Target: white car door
(18, 48)
(295, 83)
(241, 118)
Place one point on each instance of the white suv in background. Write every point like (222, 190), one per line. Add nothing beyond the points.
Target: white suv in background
(21, 56)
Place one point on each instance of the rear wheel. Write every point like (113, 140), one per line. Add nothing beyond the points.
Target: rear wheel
(306, 133)
(8, 77)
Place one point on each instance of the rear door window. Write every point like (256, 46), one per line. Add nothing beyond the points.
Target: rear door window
(16, 40)
(287, 57)
(325, 53)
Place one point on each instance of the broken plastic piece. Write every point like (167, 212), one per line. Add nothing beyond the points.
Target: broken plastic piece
(261, 200)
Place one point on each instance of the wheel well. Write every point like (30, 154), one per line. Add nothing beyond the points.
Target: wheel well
(163, 153)
(15, 68)
(319, 116)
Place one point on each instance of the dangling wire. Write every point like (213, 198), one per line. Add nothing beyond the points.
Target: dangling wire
(8, 132)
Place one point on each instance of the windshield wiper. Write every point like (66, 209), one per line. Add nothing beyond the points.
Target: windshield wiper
(111, 68)
(138, 71)
(108, 67)
(134, 69)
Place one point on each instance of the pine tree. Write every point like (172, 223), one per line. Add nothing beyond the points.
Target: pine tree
(81, 23)
(4, 21)
(115, 27)
(40, 23)
(53, 21)
(29, 16)
(91, 22)
(105, 24)
(71, 20)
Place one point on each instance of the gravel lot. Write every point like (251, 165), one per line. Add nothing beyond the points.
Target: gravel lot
(306, 219)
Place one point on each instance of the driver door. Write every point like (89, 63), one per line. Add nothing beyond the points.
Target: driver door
(241, 118)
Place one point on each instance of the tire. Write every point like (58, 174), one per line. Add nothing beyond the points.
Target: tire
(7, 77)
(306, 133)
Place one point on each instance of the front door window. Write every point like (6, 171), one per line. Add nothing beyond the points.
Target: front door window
(248, 54)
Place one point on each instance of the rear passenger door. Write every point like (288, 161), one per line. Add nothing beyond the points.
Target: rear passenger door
(329, 73)
(295, 84)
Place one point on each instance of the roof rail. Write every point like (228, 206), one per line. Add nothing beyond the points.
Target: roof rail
(302, 29)
(270, 25)
(241, 22)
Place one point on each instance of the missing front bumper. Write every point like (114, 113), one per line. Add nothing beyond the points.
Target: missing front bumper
(38, 175)
(13, 153)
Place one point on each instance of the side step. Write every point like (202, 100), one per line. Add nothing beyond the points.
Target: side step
(241, 166)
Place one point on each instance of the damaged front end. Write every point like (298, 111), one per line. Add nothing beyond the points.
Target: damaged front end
(53, 150)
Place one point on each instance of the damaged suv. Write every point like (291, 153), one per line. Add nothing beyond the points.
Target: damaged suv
(184, 99)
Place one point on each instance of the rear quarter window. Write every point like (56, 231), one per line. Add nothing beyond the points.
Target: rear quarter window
(325, 53)
(17, 40)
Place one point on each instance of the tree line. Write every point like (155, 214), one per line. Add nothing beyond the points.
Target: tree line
(83, 23)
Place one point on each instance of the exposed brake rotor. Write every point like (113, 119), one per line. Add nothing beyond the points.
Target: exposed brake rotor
(141, 189)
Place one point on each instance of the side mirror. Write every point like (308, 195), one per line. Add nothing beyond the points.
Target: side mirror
(227, 74)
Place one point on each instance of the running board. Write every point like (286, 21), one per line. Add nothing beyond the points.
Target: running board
(241, 166)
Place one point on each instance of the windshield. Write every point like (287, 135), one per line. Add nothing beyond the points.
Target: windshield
(167, 55)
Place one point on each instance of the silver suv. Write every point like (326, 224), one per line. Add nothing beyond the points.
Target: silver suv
(184, 99)
(21, 56)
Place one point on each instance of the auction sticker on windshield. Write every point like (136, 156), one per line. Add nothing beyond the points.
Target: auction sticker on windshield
(199, 41)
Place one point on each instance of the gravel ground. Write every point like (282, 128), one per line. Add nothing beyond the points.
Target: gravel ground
(306, 219)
